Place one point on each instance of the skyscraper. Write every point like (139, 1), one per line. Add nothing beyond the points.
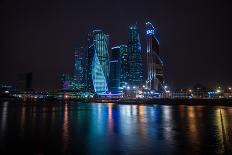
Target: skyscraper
(155, 76)
(135, 57)
(124, 63)
(80, 74)
(68, 82)
(98, 62)
(115, 70)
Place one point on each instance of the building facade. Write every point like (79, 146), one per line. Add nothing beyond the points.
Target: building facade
(155, 75)
(124, 64)
(135, 57)
(68, 82)
(98, 67)
(115, 70)
(80, 67)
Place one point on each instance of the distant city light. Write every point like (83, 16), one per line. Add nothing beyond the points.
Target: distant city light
(128, 87)
(150, 32)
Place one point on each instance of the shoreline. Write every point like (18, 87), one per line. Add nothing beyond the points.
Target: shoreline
(160, 101)
(192, 102)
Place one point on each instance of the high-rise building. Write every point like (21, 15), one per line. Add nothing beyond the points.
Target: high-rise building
(98, 67)
(115, 70)
(80, 74)
(155, 75)
(135, 57)
(68, 82)
(124, 63)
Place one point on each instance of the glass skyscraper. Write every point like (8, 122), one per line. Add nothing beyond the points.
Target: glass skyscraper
(124, 63)
(155, 76)
(98, 66)
(68, 82)
(135, 57)
(80, 73)
(115, 70)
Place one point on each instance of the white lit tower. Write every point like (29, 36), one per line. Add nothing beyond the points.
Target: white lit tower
(155, 75)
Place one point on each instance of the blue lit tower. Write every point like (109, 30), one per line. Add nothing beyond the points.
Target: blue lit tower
(124, 63)
(155, 76)
(115, 70)
(98, 62)
(135, 57)
(80, 67)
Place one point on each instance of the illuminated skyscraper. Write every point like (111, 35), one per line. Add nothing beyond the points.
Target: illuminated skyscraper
(80, 73)
(135, 57)
(68, 82)
(124, 63)
(98, 62)
(115, 70)
(155, 76)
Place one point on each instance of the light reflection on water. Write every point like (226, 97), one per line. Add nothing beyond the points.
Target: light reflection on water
(91, 128)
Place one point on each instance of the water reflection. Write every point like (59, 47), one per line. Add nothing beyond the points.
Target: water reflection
(110, 118)
(91, 128)
(4, 118)
(65, 127)
(192, 123)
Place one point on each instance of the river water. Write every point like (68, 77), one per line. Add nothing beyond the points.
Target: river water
(107, 128)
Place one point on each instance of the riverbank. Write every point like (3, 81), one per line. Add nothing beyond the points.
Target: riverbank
(210, 102)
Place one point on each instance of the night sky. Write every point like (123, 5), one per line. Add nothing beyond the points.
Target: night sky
(39, 36)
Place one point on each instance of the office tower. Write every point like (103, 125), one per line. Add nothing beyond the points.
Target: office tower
(135, 57)
(115, 70)
(80, 74)
(68, 82)
(98, 62)
(124, 63)
(155, 76)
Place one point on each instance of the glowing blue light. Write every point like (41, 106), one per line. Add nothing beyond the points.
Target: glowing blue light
(114, 61)
(150, 32)
(211, 93)
(99, 79)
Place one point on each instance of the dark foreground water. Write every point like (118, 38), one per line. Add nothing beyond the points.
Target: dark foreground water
(99, 129)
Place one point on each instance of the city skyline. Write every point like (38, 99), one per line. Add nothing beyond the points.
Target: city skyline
(103, 71)
(194, 44)
(117, 77)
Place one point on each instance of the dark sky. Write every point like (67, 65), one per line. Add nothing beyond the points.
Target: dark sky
(39, 36)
